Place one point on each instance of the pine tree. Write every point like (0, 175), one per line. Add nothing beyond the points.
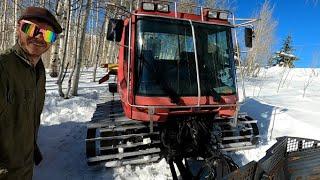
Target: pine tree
(287, 45)
(285, 56)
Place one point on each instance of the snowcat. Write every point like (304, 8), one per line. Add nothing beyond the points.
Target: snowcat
(175, 93)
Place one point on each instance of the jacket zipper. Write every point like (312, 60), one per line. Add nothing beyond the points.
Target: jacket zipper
(34, 75)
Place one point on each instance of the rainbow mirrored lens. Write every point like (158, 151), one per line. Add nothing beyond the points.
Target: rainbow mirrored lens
(28, 29)
(33, 30)
(48, 36)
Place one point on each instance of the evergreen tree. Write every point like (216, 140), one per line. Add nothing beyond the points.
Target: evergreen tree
(285, 56)
(287, 45)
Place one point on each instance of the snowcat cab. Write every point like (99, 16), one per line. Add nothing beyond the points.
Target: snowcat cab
(176, 81)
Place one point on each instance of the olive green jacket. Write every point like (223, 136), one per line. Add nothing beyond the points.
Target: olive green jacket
(22, 94)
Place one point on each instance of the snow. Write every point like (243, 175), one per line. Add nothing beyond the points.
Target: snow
(154, 171)
(274, 98)
(286, 54)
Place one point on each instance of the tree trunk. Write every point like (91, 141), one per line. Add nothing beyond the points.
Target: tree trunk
(76, 78)
(70, 81)
(77, 31)
(55, 49)
(109, 52)
(69, 50)
(65, 48)
(74, 49)
(105, 47)
(15, 23)
(101, 38)
(91, 44)
(93, 38)
(54, 59)
(43, 3)
(3, 26)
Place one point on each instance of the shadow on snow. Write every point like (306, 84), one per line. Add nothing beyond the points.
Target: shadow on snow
(64, 156)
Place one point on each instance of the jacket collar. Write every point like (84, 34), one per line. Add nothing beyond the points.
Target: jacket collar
(22, 54)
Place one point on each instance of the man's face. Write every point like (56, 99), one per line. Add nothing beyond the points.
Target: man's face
(34, 46)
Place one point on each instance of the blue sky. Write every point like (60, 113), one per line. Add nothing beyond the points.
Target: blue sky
(299, 18)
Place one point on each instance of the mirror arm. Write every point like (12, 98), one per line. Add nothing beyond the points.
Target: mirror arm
(248, 23)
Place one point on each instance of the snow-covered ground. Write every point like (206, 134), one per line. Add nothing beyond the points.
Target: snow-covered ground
(275, 99)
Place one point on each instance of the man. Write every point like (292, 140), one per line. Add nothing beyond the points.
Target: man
(22, 93)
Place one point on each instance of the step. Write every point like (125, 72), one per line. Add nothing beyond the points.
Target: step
(133, 161)
(248, 122)
(125, 128)
(124, 146)
(111, 123)
(123, 155)
(238, 137)
(236, 130)
(237, 146)
(122, 137)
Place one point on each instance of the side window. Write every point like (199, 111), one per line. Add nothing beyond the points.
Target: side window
(126, 48)
(219, 50)
(126, 43)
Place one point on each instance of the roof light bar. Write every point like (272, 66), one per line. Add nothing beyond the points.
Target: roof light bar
(148, 6)
(217, 14)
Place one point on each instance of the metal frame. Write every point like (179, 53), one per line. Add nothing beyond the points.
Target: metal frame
(196, 61)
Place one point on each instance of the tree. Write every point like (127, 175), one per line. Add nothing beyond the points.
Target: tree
(187, 6)
(313, 73)
(220, 4)
(264, 30)
(80, 53)
(263, 41)
(98, 52)
(65, 46)
(15, 20)
(287, 45)
(3, 23)
(55, 49)
(285, 56)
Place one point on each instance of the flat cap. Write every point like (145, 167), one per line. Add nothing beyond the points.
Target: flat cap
(42, 14)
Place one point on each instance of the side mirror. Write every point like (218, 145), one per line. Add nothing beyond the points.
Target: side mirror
(115, 28)
(113, 87)
(248, 37)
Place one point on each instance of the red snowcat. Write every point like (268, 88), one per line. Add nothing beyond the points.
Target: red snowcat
(175, 93)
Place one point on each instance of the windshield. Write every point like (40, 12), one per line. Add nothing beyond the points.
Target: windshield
(165, 58)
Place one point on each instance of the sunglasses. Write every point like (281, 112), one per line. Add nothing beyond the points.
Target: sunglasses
(32, 30)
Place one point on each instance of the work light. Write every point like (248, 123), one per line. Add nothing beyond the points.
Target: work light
(213, 14)
(223, 15)
(148, 6)
(163, 7)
